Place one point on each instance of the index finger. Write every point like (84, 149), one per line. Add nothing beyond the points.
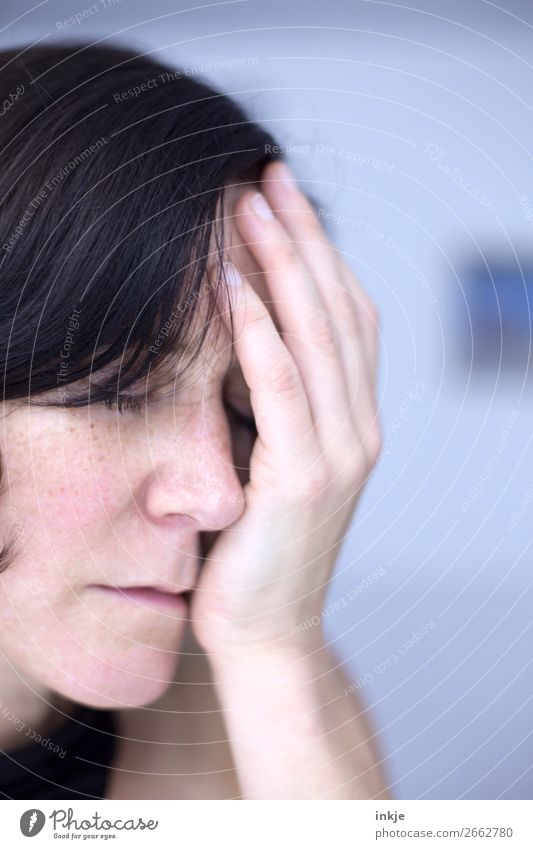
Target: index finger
(277, 394)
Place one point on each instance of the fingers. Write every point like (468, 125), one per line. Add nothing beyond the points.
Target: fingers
(330, 324)
(354, 312)
(305, 320)
(277, 394)
(303, 225)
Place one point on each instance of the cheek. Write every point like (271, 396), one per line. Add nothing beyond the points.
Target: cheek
(63, 497)
(63, 494)
(72, 486)
(96, 655)
(80, 503)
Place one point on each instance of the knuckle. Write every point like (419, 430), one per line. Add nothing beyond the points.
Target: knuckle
(344, 455)
(361, 308)
(316, 479)
(321, 334)
(287, 254)
(350, 307)
(256, 313)
(313, 224)
(354, 466)
(351, 470)
(283, 378)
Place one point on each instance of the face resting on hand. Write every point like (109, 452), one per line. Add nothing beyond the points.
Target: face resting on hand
(99, 498)
(117, 508)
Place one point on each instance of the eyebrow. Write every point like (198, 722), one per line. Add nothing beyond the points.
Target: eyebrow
(170, 380)
(163, 379)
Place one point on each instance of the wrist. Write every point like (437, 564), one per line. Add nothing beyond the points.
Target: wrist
(250, 658)
(223, 638)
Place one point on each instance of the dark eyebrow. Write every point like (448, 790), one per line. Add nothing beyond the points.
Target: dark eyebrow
(103, 384)
(164, 378)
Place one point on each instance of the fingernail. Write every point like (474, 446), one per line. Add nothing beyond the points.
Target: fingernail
(231, 274)
(286, 176)
(261, 207)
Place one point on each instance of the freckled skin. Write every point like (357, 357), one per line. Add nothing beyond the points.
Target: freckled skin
(96, 497)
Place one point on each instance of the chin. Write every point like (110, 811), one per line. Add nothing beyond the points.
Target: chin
(136, 676)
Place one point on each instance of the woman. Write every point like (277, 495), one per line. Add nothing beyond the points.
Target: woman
(188, 421)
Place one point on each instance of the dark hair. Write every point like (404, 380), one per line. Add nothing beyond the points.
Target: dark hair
(113, 169)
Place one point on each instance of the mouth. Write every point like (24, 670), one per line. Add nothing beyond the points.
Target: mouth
(149, 597)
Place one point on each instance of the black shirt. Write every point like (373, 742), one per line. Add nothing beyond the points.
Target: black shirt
(71, 762)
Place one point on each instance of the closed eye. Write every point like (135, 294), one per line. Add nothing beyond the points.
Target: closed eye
(136, 404)
(126, 403)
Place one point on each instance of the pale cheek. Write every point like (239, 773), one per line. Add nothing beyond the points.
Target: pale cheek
(78, 480)
(58, 521)
(66, 489)
(81, 504)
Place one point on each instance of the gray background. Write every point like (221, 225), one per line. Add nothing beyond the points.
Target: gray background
(377, 82)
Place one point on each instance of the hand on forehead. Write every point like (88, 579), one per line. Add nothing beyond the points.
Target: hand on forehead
(239, 253)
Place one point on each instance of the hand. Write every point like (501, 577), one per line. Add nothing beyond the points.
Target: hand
(312, 391)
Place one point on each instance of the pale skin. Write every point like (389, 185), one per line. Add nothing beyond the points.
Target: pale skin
(259, 709)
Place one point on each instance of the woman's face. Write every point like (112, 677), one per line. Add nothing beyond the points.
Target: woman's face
(95, 497)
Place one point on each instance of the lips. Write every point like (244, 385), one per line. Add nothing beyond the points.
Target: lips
(151, 597)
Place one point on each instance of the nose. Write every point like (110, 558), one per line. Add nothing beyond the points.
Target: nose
(192, 472)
